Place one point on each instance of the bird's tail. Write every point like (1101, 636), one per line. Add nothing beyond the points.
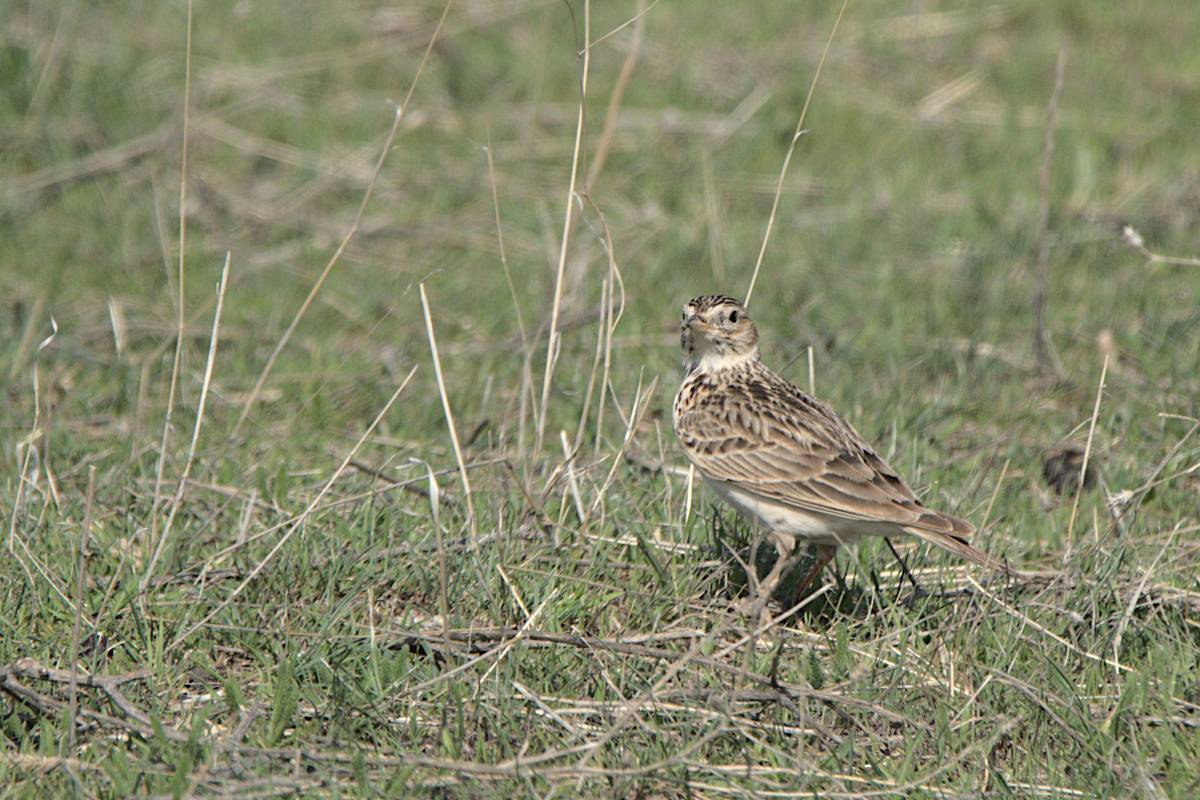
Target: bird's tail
(960, 547)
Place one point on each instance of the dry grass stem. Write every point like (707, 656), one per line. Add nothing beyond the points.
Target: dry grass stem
(512, 289)
(525, 390)
(640, 403)
(634, 20)
(597, 357)
(354, 226)
(27, 334)
(987, 512)
(787, 159)
(572, 483)
(179, 287)
(295, 523)
(80, 583)
(1134, 596)
(1042, 351)
(111, 159)
(1027, 621)
(441, 384)
(1131, 237)
(552, 342)
(507, 647)
(1087, 450)
(27, 448)
(611, 313)
(618, 94)
(435, 516)
(215, 337)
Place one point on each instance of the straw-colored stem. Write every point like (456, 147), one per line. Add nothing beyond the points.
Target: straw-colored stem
(191, 456)
(787, 159)
(441, 384)
(552, 343)
(354, 226)
(1087, 450)
(297, 522)
(179, 339)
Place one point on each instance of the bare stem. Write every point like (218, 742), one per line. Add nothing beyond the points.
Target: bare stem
(341, 248)
(1134, 239)
(787, 159)
(296, 522)
(1087, 450)
(441, 384)
(80, 583)
(1041, 343)
(179, 340)
(191, 456)
(552, 342)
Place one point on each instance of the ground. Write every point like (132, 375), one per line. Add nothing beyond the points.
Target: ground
(258, 570)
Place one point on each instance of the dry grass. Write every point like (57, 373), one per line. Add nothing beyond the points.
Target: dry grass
(361, 577)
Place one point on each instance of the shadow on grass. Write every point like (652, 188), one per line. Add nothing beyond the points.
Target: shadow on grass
(733, 543)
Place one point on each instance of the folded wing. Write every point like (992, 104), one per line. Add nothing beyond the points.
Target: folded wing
(772, 440)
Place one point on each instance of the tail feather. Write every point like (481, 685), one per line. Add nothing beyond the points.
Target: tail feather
(945, 523)
(960, 547)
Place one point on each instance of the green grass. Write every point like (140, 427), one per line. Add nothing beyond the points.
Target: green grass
(280, 652)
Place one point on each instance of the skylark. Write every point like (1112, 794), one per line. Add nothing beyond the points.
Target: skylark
(785, 459)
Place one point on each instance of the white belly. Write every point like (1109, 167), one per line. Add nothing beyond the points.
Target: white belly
(790, 523)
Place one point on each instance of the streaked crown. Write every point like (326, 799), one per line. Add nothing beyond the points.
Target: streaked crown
(710, 301)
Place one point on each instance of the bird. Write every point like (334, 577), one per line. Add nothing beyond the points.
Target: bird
(787, 460)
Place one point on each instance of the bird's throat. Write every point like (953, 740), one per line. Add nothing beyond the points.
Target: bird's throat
(715, 360)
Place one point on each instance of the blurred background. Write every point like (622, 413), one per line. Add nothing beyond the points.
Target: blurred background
(905, 250)
(958, 156)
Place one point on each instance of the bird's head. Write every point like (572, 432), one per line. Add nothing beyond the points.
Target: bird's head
(716, 332)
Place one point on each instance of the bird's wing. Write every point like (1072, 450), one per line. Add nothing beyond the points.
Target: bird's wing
(770, 439)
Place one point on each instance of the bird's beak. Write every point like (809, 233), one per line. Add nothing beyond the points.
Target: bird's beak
(692, 322)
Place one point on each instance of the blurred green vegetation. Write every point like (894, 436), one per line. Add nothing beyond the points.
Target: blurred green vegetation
(904, 254)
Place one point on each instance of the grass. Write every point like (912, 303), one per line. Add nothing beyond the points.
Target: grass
(317, 629)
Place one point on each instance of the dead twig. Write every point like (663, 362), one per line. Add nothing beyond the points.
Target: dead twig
(135, 719)
(479, 639)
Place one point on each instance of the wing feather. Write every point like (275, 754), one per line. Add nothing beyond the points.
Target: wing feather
(774, 441)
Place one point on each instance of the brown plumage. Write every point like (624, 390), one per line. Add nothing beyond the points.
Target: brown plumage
(784, 458)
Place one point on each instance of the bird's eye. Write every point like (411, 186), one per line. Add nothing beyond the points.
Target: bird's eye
(733, 316)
